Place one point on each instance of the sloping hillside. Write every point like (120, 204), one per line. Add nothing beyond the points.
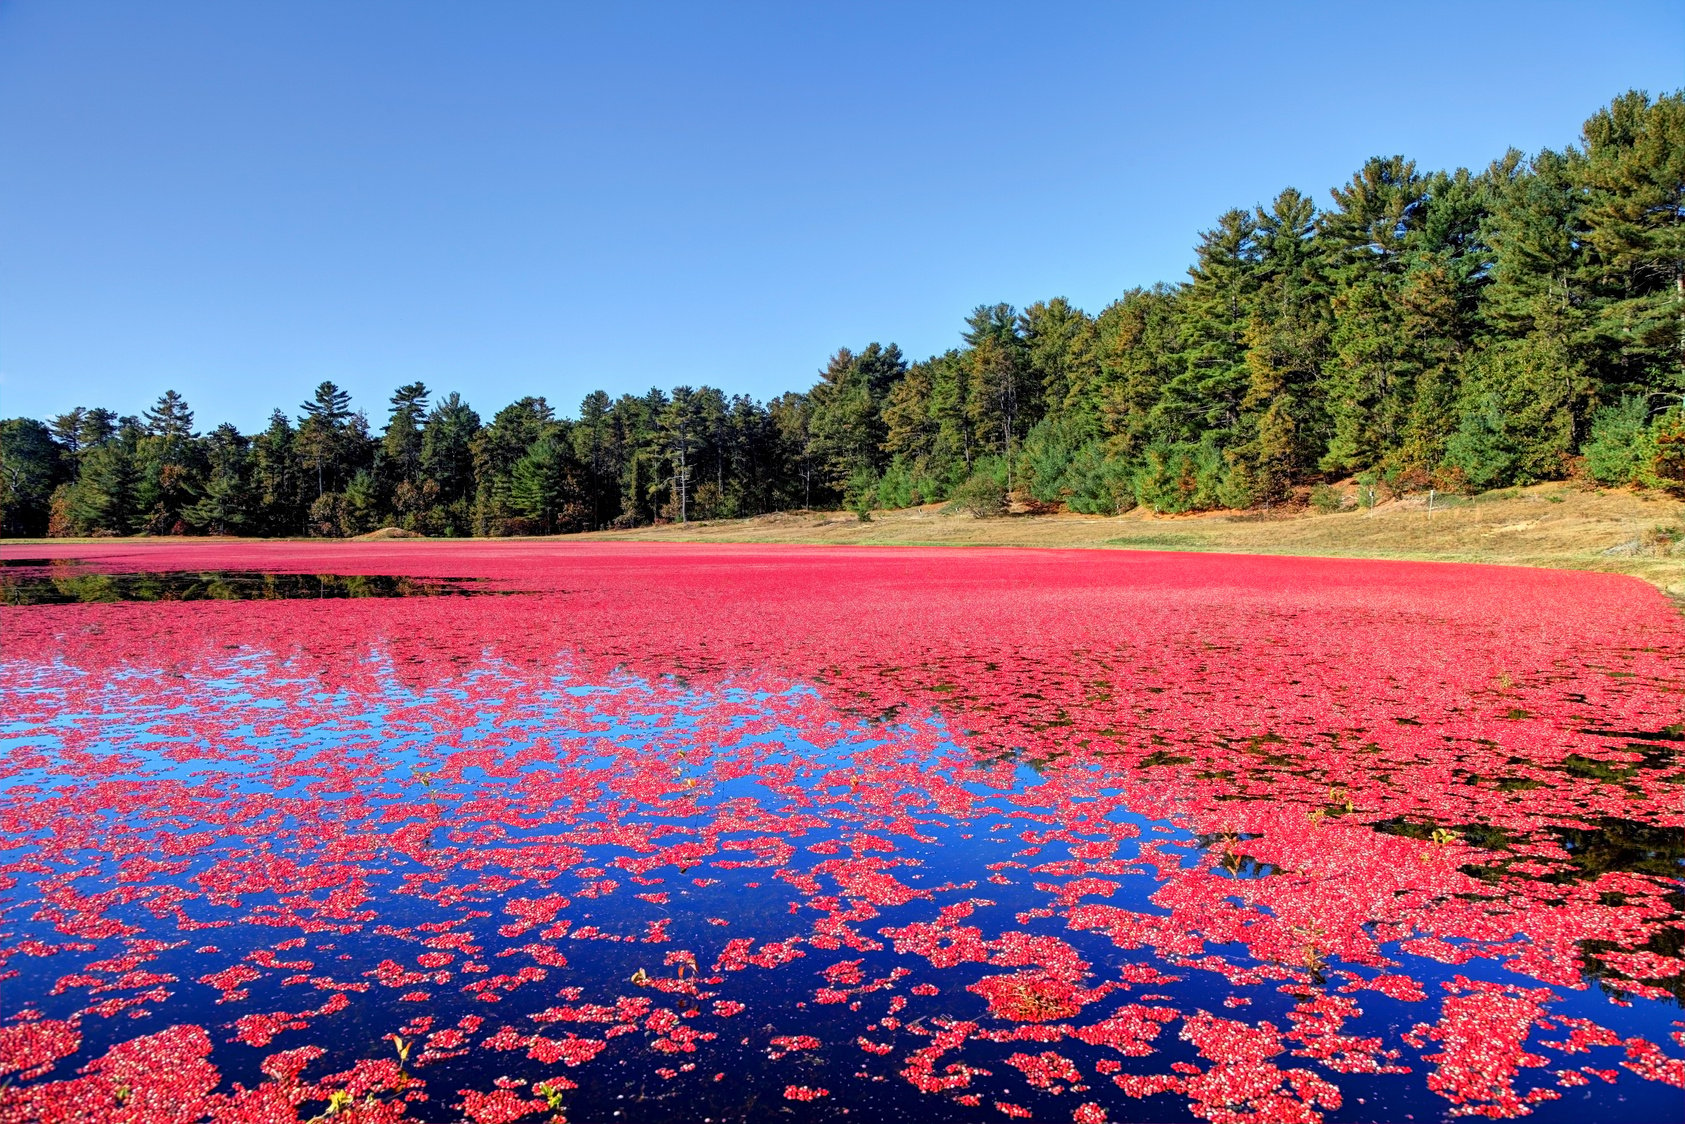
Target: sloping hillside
(1558, 525)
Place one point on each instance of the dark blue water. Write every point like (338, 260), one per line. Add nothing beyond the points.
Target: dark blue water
(442, 823)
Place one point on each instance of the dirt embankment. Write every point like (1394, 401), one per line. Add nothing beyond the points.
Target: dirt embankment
(389, 534)
(1558, 525)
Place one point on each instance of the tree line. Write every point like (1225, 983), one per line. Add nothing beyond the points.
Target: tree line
(1458, 330)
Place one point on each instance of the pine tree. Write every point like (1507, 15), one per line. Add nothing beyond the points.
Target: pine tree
(360, 504)
(792, 415)
(999, 391)
(447, 465)
(679, 424)
(169, 465)
(170, 418)
(278, 479)
(593, 447)
(102, 501)
(761, 475)
(400, 442)
(1633, 176)
(713, 452)
(321, 433)
(1215, 311)
(224, 505)
(1366, 381)
(544, 484)
(515, 429)
(956, 447)
(1059, 341)
(845, 425)
(1286, 339)
(997, 381)
(82, 429)
(1138, 351)
(910, 428)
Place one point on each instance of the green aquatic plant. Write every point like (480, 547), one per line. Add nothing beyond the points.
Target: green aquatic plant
(552, 1095)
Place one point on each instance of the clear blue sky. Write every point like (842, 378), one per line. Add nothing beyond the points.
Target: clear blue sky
(239, 200)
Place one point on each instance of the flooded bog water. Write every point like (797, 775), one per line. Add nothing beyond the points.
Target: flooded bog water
(746, 833)
(66, 581)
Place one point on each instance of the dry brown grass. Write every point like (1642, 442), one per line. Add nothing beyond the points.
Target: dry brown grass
(1555, 525)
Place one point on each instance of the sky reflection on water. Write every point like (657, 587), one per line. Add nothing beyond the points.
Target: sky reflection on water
(735, 893)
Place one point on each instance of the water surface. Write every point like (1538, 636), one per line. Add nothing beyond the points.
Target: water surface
(735, 834)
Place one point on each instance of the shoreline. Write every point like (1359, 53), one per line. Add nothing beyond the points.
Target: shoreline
(1554, 526)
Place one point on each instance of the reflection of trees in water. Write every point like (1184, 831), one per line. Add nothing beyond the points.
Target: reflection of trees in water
(1529, 850)
(1624, 845)
(1612, 846)
(70, 583)
(1638, 848)
(1669, 940)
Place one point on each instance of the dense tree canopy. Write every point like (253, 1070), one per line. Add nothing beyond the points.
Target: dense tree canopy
(1459, 330)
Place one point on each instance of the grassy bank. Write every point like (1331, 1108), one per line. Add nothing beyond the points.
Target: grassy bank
(1555, 525)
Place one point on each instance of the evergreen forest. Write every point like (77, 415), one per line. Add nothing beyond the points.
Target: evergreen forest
(1416, 329)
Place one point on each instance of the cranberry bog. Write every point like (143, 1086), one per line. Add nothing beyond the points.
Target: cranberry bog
(539, 831)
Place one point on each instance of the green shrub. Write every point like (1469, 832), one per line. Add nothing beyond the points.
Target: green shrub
(982, 494)
(895, 487)
(1097, 484)
(861, 494)
(1174, 477)
(1368, 490)
(1325, 500)
(1480, 449)
(1045, 460)
(1667, 463)
(1237, 487)
(1167, 479)
(1621, 444)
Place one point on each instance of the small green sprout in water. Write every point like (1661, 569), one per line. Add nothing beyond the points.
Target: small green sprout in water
(340, 1100)
(552, 1095)
(1440, 838)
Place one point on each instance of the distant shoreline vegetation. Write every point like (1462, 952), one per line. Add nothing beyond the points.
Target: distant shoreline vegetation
(1451, 330)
